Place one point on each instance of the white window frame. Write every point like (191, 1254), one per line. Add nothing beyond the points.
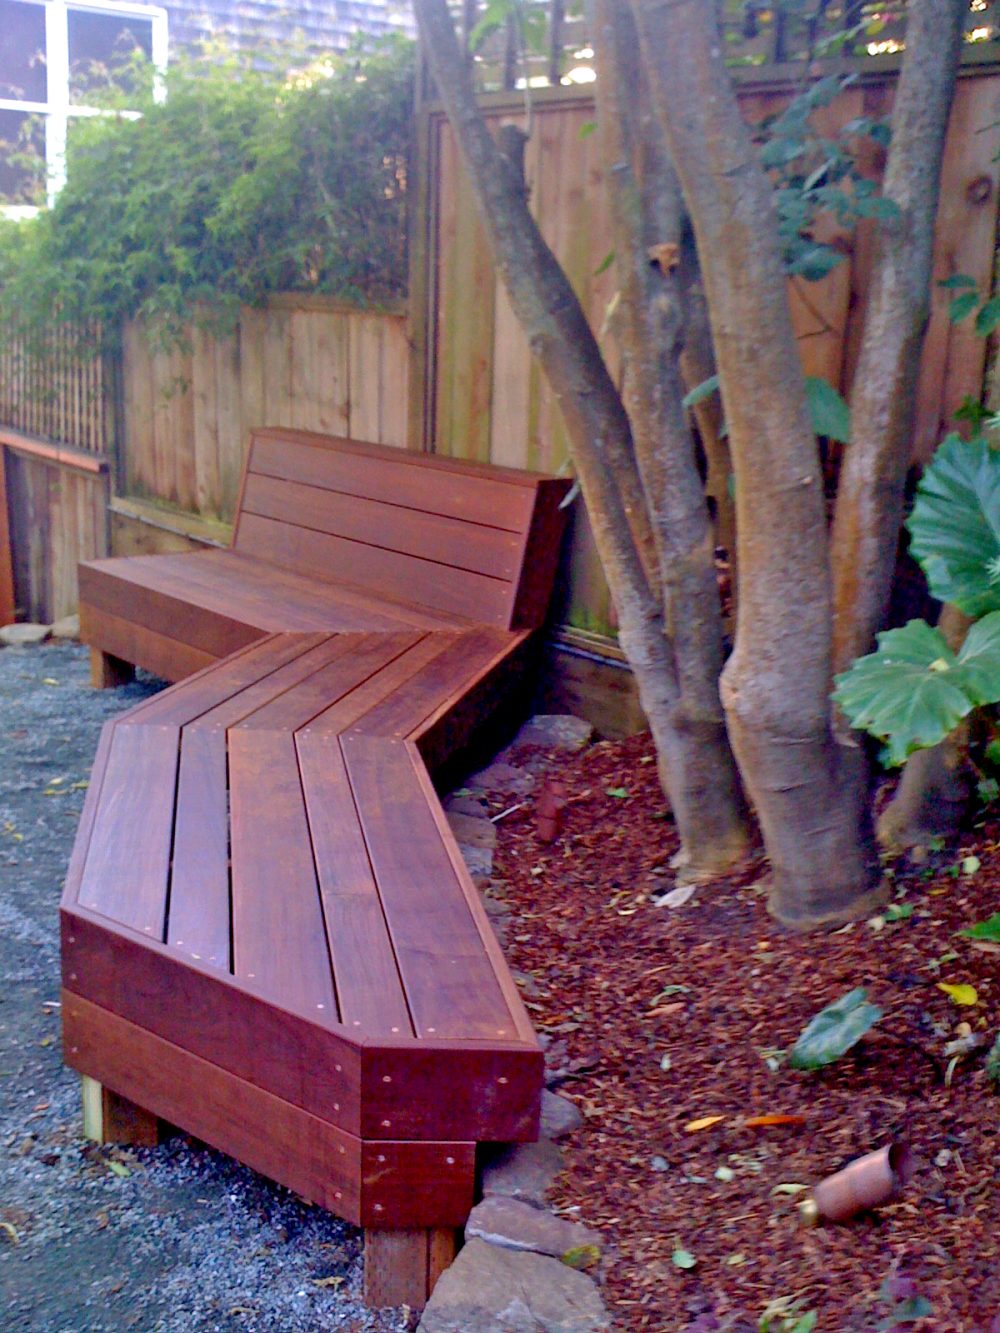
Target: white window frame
(56, 110)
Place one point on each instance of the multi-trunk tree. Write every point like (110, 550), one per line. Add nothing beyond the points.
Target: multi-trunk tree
(697, 230)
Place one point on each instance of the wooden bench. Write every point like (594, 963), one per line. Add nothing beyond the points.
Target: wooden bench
(270, 938)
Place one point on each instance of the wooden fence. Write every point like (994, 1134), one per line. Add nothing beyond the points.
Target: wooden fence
(476, 391)
(155, 440)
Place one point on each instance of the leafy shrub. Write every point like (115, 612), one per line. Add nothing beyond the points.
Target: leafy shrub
(914, 689)
(241, 181)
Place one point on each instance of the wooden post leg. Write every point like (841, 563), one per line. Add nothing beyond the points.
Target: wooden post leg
(106, 671)
(109, 1118)
(402, 1267)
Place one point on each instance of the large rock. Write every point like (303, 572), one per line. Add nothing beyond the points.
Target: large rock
(519, 1226)
(523, 1171)
(560, 1116)
(501, 778)
(18, 636)
(493, 1290)
(471, 831)
(555, 731)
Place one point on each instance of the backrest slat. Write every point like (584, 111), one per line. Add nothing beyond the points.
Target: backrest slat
(446, 534)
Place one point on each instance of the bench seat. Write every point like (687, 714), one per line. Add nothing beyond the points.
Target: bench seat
(269, 935)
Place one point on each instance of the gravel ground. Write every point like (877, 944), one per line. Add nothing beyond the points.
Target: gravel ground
(95, 1239)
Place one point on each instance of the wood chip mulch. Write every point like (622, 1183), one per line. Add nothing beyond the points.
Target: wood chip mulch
(655, 1017)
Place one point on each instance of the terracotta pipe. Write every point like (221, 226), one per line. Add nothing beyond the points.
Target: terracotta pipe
(874, 1179)
(549, 811)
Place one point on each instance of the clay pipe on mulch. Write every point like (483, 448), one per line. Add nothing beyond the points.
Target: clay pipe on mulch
(876, 1178)
(549, 811)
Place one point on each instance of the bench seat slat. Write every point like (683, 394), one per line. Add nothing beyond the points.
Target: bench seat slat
(414, 532)
(394, 676)
(450, 982)
(436, 485)
(198, 917)
(127, 869)
(369, 990)
(462, 663)
(357, 658)
(279, 940)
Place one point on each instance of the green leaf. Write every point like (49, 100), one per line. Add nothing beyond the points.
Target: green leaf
(806, 1324)
(701, 391)
(957, 281)
(605, 264)
(955, 525)
(619, 792)
(909, 693)
(830, 414)
(988, 317)
(834, 1030)
(898, 911)
(815, 262)
(984, 930)
(962, 306)
(587, 128)
(683, 1259)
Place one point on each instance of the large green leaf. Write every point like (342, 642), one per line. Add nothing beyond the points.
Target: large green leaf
(830, 414)
(910, 692)
(979, 660)
(834, 1030)
(984, 930)
(955, 525)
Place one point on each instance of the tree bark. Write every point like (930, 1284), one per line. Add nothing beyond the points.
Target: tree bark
(869, 506)
(648, 218)
(694, 753)
(776, 685)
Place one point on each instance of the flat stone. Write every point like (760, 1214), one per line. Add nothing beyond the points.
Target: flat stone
(471, 831)
(479, 861)
(523, 1171)
(489, 1289)
(519, 1226)
(502, 778)
(18, 636)
(66, 628)
(475, 806)
(560, 1116)
(556, 731)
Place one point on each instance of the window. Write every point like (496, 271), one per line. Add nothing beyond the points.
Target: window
(53, 55)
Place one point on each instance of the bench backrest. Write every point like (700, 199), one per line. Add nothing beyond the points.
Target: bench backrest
(475, 541)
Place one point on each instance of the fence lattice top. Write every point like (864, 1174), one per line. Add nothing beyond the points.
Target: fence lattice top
(546, 43)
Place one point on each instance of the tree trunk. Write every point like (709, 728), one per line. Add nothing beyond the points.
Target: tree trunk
(776, 685)
(883, 402)
(693, 751)
(933, 793)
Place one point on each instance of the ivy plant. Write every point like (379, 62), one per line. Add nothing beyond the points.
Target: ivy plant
(913, 690)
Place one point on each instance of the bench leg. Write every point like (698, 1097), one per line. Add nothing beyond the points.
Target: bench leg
(109, 1118)
(107, 671)
(402, 1267)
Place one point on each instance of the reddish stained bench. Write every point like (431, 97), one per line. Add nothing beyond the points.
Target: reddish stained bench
(269, 935)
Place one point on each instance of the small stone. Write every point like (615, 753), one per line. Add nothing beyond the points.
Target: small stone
(560, 1116)
(556, 731)
(479, 861)
(472, 832)
(502, 778)
(519, 1226)
(523, 1171)
(19, 636)
(493, 1290)
(66, 628)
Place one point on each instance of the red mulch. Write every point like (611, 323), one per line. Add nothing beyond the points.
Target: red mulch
(603, 957)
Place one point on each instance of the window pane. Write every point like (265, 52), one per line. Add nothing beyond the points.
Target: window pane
(101, 47)
(22, 158)
(22, 51)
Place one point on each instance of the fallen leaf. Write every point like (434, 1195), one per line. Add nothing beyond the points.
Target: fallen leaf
(960, 992)
(47, 680)
(582, 1257)
(705, 1122)
(676, 897)
(619, 792)
(10, 1231)
(736, 1260)
(970, 864)
(336, 1281)
(725, 1173)
(683, 1259)
(666, 1062)
(763, 1121)
(791, 1187)
(118, 1169)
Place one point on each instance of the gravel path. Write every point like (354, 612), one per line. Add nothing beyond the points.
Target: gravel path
(94, 1239)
